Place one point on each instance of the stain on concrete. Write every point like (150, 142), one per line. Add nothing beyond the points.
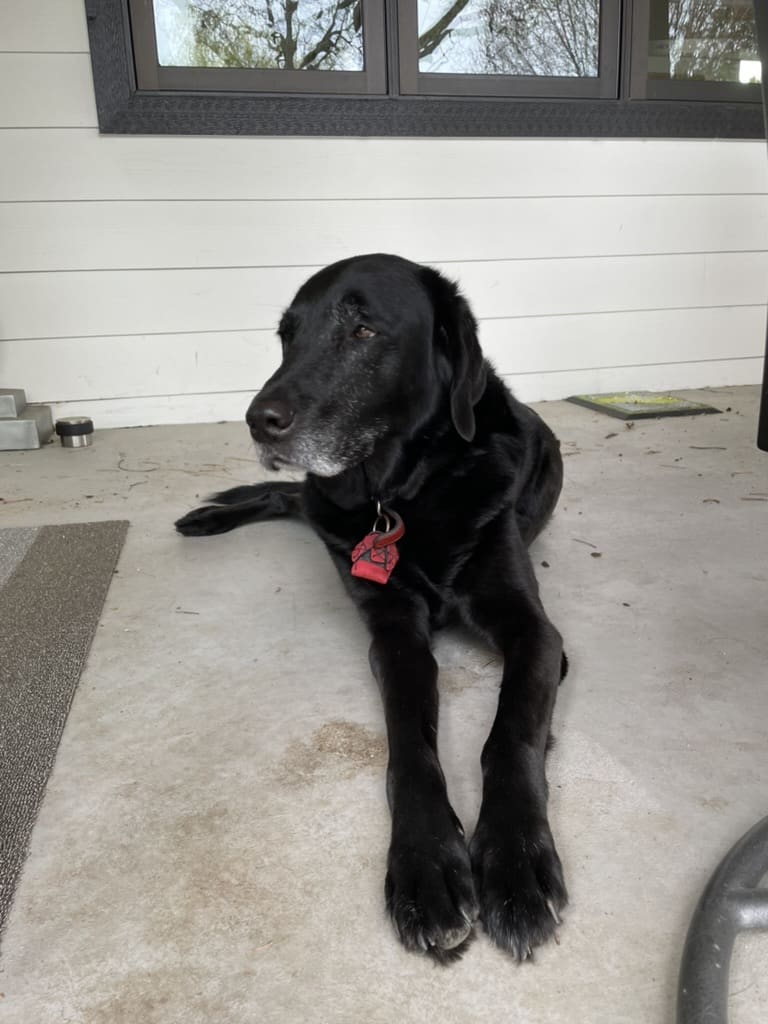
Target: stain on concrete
(338, 750)
(713, 803)
(455, 679)
(155, 996)
(466, 665)
(206, 821)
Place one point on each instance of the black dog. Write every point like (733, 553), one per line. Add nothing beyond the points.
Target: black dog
(384, 398)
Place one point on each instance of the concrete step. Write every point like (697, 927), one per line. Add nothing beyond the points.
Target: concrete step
(23, 426)
(12, 402)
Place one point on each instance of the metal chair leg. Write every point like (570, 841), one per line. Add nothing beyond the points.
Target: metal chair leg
(729, 904)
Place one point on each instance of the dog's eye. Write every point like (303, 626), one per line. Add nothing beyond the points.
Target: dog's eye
(361, 332)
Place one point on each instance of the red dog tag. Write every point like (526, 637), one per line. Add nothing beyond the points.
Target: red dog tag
(376, 555)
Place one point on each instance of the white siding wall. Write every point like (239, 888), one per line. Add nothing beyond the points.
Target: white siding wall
(141, 278)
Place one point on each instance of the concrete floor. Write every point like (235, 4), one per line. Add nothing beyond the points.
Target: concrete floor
(212, 843)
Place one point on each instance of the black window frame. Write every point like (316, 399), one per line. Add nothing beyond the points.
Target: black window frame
(126, 108)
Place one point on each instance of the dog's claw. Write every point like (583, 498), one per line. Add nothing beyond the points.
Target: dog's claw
(555, 916)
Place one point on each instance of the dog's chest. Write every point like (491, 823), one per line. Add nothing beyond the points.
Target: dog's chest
(442, 526)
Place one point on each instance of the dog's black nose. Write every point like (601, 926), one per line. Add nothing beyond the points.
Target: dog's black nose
(269, 419)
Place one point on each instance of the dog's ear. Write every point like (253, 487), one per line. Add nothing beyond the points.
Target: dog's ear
(456, 334)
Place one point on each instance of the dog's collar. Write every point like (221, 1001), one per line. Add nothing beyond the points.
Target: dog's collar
(376, 556)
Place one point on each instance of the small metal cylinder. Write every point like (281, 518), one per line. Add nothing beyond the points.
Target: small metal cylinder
(75, 431)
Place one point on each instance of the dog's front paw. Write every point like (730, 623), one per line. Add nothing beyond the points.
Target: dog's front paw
(520, 885)
(430, 893)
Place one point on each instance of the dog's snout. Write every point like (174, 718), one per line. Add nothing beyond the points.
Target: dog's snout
(270, 419)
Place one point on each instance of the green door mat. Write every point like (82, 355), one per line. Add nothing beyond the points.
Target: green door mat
(641, 405)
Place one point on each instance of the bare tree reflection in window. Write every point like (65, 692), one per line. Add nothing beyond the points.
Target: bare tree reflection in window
(554, 38)
(293, 35)
(708, 40)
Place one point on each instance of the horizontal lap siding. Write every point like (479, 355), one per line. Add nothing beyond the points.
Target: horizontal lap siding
(141, 278)
(166, 301)
(89, 167)
(214, 407)
(54, 90)
(549, 348)
(110, 235)
(43, 26)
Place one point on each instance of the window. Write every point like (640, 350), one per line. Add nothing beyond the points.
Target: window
(697, 50)
(281, 46)
(509, 48)
(427, 67)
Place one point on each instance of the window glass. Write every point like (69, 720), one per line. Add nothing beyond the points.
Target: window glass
(703, 40)
(554, 38)
(292, 35)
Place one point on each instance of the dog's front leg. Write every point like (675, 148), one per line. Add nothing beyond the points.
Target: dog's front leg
(429, 889)
(517, 870)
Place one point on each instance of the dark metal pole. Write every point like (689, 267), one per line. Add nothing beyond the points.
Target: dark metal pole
(761, 24)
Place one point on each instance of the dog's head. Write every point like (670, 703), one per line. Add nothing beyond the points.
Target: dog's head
(373, 348)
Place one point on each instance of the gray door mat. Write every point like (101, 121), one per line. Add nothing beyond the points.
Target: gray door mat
(53, 582)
